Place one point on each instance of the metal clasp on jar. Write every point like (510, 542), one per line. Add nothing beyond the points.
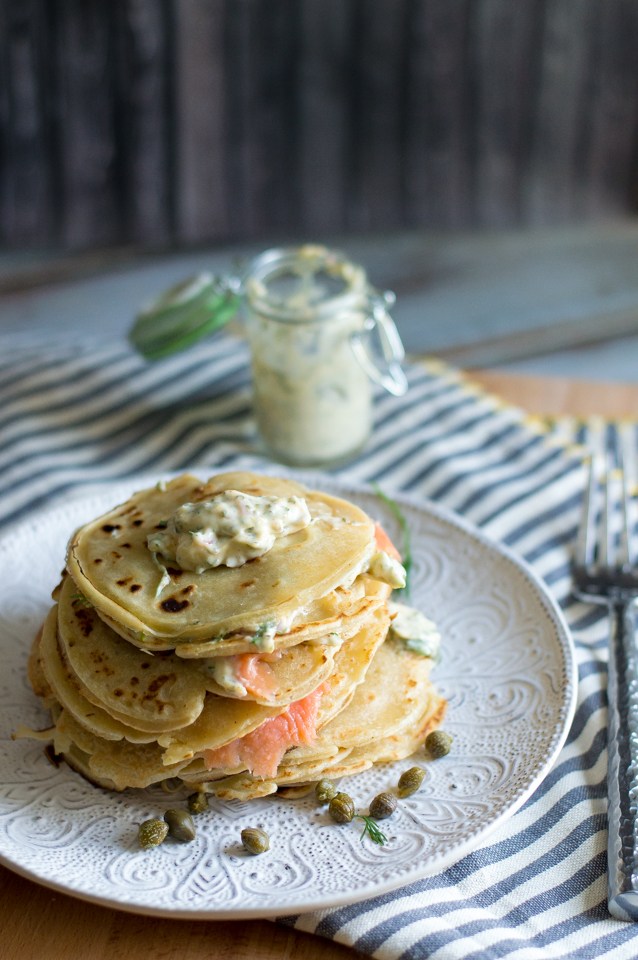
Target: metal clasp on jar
(379, 325)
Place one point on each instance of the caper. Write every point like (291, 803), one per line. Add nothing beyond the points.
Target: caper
(197, 802)
(383, 805)
(151, 833)
(410, 781)
(255, 840)
(438, 743)
(325, 791)
(180, 825)
(341, 808)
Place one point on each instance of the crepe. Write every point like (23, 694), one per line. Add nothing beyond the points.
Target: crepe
(350, 667)
(153, 672)
(150, 692)
(341, 748)
(387, 719)
(165, 693)
(220, 719)
(341, 611)
(66, 691)
(111, 564)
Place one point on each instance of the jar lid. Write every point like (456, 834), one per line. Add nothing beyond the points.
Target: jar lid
(183, 315)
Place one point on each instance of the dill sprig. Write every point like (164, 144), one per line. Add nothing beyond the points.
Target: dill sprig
(371, 827)
(406, 547)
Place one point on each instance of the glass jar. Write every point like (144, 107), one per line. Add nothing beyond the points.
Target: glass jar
(319, 336)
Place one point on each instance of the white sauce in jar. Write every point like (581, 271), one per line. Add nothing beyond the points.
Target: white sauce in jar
(311, 411)
(312, 397)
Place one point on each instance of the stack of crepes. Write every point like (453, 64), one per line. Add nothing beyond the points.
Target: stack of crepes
(239, 679)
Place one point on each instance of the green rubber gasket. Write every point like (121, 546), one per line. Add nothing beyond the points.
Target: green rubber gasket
(185, 314)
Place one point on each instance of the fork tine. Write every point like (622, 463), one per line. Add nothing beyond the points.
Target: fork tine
(624, 555)
(605, 545)
(584, 551)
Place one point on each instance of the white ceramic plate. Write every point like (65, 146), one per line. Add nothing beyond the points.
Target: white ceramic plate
(507, 670)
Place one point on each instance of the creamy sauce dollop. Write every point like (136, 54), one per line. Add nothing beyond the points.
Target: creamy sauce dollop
(414, 630)
(228, 530)
(223, 670)
(387, 568)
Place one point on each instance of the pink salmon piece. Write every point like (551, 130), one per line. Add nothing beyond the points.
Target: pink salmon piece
(384, 543)
(255, 675)
(260, 752)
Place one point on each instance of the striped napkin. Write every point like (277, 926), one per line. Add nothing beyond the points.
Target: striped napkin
(75, 418)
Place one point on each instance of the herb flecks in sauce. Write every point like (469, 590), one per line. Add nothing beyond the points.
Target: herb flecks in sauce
(228, 530)
(414, 630)
(264, 636)
(386, 568)
(79, 600)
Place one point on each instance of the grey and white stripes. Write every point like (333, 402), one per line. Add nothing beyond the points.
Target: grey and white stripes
(71, 420)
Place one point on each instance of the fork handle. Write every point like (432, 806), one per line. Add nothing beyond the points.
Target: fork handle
(622, 764)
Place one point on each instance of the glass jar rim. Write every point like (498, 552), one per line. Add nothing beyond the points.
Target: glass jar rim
(278, 261)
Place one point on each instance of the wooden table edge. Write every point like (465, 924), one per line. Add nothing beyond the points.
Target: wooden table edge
(560, 396)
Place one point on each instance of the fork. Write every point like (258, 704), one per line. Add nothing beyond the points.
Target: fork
(603, 573)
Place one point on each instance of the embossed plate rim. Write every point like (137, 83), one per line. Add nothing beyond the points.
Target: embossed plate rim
(101, 496)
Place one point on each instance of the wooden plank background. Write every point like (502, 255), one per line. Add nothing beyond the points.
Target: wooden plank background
(156, 123)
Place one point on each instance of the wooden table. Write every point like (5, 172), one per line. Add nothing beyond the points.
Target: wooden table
(38, 924)
(546, 395)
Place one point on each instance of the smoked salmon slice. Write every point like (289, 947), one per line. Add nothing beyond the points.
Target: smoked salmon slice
(260, 752)
(384, 543)
(255, 675)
